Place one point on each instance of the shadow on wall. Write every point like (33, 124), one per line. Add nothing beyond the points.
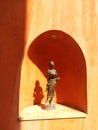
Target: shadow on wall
(12, 36)
(38, 93)
(70, 64)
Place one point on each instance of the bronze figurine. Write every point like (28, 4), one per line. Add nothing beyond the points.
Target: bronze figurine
(52, 77)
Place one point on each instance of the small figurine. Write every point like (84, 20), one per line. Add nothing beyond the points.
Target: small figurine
(52, 77)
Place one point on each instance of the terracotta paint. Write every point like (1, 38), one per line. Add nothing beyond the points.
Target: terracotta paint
(70, 63)
(12, 42)
(23, 21)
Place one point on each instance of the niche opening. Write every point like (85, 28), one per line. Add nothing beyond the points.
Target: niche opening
(71, 90)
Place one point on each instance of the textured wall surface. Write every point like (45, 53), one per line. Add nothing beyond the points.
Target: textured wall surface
(12, 33)
(20, 23)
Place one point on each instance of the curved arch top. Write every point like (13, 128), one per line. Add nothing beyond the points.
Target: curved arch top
(70, 63)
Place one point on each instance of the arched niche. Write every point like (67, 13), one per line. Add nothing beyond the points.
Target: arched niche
(70, 64)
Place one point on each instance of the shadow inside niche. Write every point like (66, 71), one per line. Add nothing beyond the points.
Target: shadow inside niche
(38, 94)
(70, 64)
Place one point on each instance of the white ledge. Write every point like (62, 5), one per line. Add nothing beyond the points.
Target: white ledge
(35, 112)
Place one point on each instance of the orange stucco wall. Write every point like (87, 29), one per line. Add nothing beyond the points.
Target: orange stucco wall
(20, 23)
(12, 41)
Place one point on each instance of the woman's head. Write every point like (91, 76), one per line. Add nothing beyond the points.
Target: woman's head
(51, 64)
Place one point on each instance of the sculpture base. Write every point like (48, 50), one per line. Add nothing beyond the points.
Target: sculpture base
(49, 107)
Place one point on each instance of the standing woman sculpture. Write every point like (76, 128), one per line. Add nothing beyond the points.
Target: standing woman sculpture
(52, 77)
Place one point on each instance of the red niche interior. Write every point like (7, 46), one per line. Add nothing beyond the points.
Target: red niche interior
(57, 46)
